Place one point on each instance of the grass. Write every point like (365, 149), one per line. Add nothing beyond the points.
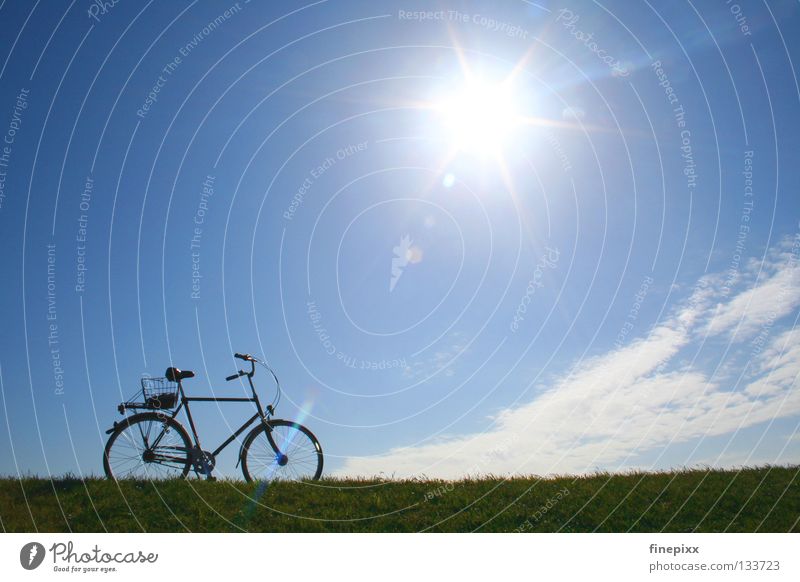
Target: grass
(763, 499)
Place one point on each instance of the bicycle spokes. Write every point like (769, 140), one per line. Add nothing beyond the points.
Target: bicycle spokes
(147, 449)
(286, 452)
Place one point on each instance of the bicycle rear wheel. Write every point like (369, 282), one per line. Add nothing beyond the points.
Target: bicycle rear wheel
(289, 451)
(148, 446)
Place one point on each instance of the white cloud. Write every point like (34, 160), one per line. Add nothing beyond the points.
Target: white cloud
(776, 294)
(440, 361)
(637, 398)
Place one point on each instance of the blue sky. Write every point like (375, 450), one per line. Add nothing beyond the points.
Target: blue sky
(518, 238)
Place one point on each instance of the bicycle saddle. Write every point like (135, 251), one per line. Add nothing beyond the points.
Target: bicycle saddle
(176, 375)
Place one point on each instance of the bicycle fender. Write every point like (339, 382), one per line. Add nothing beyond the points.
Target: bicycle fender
(126, 420)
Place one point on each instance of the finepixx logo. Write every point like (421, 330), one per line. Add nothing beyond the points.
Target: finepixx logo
(31, 555)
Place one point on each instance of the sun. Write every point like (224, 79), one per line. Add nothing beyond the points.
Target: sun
(479, 116)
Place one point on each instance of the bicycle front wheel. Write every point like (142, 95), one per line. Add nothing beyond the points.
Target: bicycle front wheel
(286, 451)
(148, 446)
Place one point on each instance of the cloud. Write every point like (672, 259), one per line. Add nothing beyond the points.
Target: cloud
(641, 397)
(440, 361)
(775, 294)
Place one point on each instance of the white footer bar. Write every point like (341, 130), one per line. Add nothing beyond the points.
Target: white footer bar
(355, 557)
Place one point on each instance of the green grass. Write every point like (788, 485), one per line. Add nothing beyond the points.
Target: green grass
(765, 499)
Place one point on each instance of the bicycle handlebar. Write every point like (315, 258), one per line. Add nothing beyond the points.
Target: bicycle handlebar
(240, 373)
(253, 361)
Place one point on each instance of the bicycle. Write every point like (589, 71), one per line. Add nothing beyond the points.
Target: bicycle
(154, 445)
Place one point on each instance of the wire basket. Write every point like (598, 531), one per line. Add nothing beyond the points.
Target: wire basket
(159, 393)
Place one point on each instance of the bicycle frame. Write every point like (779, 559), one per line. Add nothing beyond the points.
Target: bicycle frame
(185, 400)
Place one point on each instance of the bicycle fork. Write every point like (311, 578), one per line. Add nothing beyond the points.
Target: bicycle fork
(267, 427)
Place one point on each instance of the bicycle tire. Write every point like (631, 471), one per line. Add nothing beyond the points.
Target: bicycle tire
(170, 459)
(302, 457)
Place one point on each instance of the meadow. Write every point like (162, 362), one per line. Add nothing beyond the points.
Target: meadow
(762, 499)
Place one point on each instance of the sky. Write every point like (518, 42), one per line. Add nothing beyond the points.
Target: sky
(471, 238)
